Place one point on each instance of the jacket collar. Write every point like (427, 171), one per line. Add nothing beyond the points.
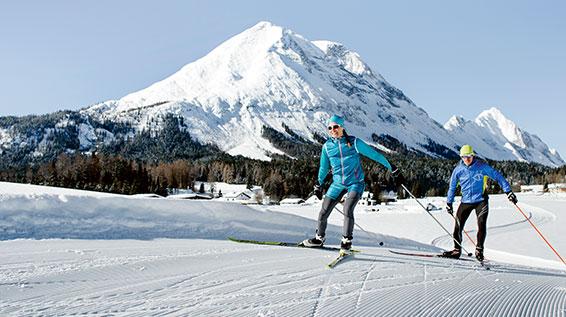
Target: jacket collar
(336, 140)
(474, 163)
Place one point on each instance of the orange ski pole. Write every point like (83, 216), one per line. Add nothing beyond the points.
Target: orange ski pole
(540, 234)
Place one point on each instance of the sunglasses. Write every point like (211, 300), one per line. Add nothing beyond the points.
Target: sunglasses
(334, 127)
(467, 156)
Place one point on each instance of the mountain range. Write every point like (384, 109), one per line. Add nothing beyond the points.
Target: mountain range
(269, 78)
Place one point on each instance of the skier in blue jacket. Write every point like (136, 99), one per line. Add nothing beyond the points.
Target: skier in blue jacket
(341, 153)
(472, 174)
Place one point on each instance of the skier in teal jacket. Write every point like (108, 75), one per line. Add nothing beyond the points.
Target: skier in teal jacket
(341, 153)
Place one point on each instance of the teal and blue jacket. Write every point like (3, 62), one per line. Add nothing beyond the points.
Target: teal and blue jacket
(345, 162)
(473, 181)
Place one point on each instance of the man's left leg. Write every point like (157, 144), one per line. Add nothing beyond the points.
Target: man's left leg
(482, 210)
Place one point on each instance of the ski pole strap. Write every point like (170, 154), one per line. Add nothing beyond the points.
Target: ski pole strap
(540, 234)
(433, 217)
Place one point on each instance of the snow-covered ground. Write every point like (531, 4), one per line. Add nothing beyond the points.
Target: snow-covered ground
(113, 255)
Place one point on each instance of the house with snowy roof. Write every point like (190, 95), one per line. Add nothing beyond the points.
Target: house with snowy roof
(557, 188)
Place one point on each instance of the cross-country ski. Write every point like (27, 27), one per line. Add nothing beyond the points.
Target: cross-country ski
(341, 257)
(286, 244)
(484, 263)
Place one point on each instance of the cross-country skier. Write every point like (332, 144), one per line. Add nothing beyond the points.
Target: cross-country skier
(341, 152)
(472, 174)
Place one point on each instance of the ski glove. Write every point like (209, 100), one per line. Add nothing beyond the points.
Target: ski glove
(397, 176)
(512, 197)
(449, 208)
(317, 191)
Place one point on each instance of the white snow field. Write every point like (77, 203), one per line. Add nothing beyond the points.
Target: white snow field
(69, 252)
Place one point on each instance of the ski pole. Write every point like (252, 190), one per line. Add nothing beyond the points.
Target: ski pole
(359, 227)
(438, 222)
(540, 234)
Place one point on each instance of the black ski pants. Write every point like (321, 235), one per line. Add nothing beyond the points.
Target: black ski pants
(464, 211)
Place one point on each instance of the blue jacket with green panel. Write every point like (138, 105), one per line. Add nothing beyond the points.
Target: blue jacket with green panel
(473, 181)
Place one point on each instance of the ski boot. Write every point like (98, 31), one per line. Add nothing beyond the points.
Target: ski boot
(452, 254)
(479, 254)
(316, 242)
(345, 245)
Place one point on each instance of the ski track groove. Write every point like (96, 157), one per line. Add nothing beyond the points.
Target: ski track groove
(521, 310)
(412, 290)
(94, 296)
(562, 294)
(364, 282)
(392, 286)
(532, 305)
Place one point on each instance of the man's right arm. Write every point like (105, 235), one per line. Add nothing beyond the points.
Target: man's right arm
(452, 186)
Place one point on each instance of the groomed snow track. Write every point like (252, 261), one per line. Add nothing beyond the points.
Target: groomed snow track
(222, 278)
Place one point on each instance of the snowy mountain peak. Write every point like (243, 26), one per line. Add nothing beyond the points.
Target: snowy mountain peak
(454, 122)
(492, 112)
(261, 25)
(495, 114)
(271, 77)
(348, 59)
(495, 136)
(494, 120)
(235, 64)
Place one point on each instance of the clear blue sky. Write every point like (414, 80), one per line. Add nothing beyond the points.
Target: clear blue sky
(449, 57)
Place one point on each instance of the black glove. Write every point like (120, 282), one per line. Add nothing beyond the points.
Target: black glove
(512, 197)
(397, 176)
(449, 208)
(317, 191)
